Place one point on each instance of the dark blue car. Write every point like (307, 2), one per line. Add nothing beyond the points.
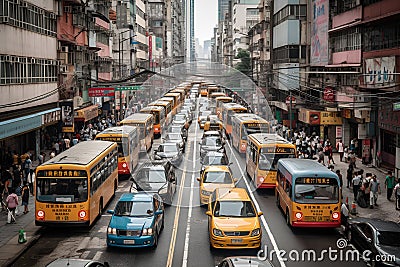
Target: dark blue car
(137, 220)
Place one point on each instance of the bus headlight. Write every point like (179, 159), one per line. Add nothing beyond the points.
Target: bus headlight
(243, 146)
(261, 179)
(40, 214)
(298, 215)
(147, 231)
(82, 214)
(112, 231)
(124, 165)
(255, 232)
(156, 129)
(335, 215)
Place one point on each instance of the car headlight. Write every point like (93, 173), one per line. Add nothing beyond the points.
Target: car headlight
(163, 190)
(217, 232)
(205, 192)
(112, 231)
(147, 231)
(255, 232)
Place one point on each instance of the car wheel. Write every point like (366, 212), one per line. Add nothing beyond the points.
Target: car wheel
(155, 240)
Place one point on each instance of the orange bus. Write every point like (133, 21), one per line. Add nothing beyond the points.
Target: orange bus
(127, 139)
(227, 111)
(72, 188)
(219, 101)
(166, 105)
(159, 118)
(145, 124)
(171, 100)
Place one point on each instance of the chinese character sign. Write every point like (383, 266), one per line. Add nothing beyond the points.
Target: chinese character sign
(67, 116)
(319, 32)
(380, 71)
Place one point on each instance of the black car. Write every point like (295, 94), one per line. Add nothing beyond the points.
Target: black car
(178, 129)
(169, 151)
(214, 158)
(377, 236)
(211, 143)
(156, 177)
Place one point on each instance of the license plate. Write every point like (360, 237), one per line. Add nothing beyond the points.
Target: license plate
(129, 242)
(237, 240)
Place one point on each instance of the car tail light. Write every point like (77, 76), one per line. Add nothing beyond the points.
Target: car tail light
(298, 215)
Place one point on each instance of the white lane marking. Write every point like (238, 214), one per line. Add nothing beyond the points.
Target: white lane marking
(97, 256)
(264, 222)
(186, 247)
(84, 243)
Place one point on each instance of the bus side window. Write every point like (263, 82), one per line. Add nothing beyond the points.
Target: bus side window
(288, 188)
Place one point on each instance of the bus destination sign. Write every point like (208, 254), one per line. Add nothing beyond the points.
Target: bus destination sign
(111, 138)
(278, 150)
(61, 173)
(314, 180)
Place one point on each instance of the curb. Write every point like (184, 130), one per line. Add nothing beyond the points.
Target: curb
(31, 242)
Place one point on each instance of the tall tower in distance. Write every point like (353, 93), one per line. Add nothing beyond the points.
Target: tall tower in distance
(192, 41)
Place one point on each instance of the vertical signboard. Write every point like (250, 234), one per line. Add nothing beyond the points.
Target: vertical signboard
(380, 71)
(150, 50)
(319, 32)
(67, 116)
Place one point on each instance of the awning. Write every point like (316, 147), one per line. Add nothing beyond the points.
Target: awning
(346, 26)
(87, 113)
(343, 65)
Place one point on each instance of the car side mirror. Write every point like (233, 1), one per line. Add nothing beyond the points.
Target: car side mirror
(260, 213)
(208, 213)
(230, 163)
(110, 211)
(235, 180)
(198, 179)
(158, 212)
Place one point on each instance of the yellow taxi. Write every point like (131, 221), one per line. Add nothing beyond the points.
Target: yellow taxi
(213, 177)
(233, 221)
(213, 123)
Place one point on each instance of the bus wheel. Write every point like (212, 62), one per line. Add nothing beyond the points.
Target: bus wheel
(287, 217)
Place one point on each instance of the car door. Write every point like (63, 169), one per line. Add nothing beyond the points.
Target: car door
(358, 236)
(157, 218)
(367, 237)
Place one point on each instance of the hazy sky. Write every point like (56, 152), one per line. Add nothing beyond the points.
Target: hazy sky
(205, 19)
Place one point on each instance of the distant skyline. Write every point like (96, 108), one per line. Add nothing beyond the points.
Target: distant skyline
(205, 19)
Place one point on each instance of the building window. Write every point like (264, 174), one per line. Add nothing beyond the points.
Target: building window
(289, 53)
(382, 36)
(291, 12)
(25, 70)
(28, 17)
(346, 40)
(389, 143)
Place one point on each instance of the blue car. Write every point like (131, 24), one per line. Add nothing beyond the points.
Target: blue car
(137, 220)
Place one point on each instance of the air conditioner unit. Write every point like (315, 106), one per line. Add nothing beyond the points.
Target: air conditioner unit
(78, 101)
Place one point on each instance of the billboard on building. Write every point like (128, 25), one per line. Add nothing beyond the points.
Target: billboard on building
(319, 32)
(67, 116)
(380, 71)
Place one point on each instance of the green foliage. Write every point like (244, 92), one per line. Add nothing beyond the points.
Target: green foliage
(245, 63)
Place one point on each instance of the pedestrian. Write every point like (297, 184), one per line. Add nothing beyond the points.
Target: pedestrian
(357, 180)
(397, 195)
(321, 157)
(31, 181)
(375, 189)
(330, 155)
(12, 204)
(67, 142)
(57, 148)
(349, 175)
(340, 177)
(344, 215)
(25, 197)
(340, 149)
(41, 158)
(27, 167)
(52, 154)
(389, 184)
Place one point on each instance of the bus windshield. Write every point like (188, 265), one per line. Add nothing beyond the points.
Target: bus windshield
(315, 192)
(156, 115)
(56, 190)
(270, 161)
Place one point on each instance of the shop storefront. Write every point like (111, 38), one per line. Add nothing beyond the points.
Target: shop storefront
(389, 134)
(27, 133)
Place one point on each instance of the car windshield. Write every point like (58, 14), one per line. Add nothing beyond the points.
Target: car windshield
(134, 208)
(174, 136)
(217, 177)
(215, 160)
(179, 117)
(211, 141)
(234, 209)
(150, 176)
(168, 148)
(270, 161)
(307, 190)
(174, 129)
(388, 238)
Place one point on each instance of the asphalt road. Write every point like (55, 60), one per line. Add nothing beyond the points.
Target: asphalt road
(184, 240)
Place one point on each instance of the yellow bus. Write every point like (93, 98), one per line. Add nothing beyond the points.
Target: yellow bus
(308, 193)
(127, 139)
(159, 118)
(212, 89)
(262, 155)
(145, 124)
(177, 99)
(244, 124)
(219, 101)
(182, 93)
(166, 105)
(214, 95)
(227, 111)
(73, 187)
(171, 100)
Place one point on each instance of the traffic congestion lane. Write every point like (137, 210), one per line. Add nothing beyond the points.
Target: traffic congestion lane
(293, 241)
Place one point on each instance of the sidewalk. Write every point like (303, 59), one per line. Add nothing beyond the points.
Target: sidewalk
(386, 209)
(10, 249)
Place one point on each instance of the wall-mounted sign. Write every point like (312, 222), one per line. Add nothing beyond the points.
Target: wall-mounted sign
(67, 116)
(99, 92)
(329, 94)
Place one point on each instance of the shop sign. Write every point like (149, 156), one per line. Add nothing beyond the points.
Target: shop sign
(362, 131)
(330, 118)
(339, 132)
(396, 106)
(67, 116)
(303, 115)
(20, 125)
(315, 117)
(51, 117)
(329, 94)
(100, 92)
(293, 100)
(87, 113)
(346, 113)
